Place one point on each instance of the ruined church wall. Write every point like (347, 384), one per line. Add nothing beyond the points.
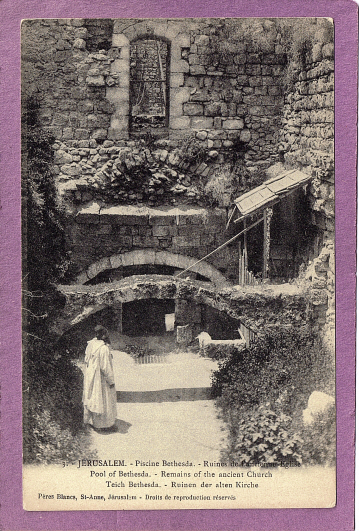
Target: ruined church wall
(97, 233)
(85, 94)
(307, 136)
(81, 70)
(307, 142)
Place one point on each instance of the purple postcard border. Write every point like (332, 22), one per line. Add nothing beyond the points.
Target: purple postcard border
(339, 518)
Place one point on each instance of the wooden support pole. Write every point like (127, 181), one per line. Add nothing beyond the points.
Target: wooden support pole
(239, 262)
(245, 243)
(265, 245)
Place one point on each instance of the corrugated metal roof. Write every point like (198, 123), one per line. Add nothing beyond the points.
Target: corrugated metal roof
(271, 191)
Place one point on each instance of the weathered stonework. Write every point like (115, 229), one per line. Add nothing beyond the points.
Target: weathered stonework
(99, 233)
(307, 142)
(307, 137)
(259, 310)
(91, 100)
(255, 107)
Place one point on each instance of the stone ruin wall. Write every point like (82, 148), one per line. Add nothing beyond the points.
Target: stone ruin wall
(101, 232)
(307, 142)
(85, 105)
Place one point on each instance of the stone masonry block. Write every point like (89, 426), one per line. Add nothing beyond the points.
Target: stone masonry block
(178, 97)
(98, 267)
(193, 109)
(120, 40)
(190, 230)
(217, 122)
(202, 40)
(212, 109)
(197, 70)
(124, 241)
(118, 124)
(245, 135)
(186, 241)
(164, 257)
(194, 59)
(145, 241)
(120, 65)
(116, 261)
(98, 121)
(162, 220)
(328, 51)
(124, 80)
(255, 81)
(179, 66)
(170, 32)
(177, 80)
(118, 96)
(164, 230)
(128, 258)
(233, 124)
(183, 40)
(202, 123)
(180, 122)
(143, 256)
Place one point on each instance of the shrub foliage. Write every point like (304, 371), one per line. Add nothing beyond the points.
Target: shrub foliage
(262, 436)
(52, 385)
(280, 370)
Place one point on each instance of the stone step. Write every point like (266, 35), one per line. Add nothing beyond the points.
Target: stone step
(189, 394)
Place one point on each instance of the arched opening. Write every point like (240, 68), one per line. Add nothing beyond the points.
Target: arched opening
(149, 86)
(140, 326)
(112, 275)
(146, 317)
(291, 233)
(149, 262)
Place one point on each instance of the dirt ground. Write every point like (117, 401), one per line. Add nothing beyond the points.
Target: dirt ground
(163, 410)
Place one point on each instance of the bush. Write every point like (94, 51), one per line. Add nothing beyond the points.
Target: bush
(52, 385)
(266, 435)
(260, 435)
(286, 365)
(319, 439)
(281, 369)
(52, 408)
(48, 443)
(221, 351)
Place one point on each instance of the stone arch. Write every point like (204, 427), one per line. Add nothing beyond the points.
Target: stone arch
(151, 256)
(178, 36)
(82, 301)
(260, 312)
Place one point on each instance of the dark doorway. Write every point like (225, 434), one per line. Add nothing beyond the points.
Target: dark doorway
(146, 317)
(291, 231)
(218, 324)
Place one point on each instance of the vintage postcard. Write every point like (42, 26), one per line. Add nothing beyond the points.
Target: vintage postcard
(181, 182)
(178, 263)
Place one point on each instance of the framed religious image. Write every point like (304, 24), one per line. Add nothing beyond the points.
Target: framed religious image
(187, 261)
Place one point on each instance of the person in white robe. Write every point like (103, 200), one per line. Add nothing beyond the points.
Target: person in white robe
(99, 395)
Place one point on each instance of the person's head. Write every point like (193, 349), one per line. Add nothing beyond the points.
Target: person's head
(102, 333)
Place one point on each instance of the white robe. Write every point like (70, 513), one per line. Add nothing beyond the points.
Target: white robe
(99, 398)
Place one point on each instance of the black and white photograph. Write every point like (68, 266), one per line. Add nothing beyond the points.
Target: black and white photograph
(178, 263)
